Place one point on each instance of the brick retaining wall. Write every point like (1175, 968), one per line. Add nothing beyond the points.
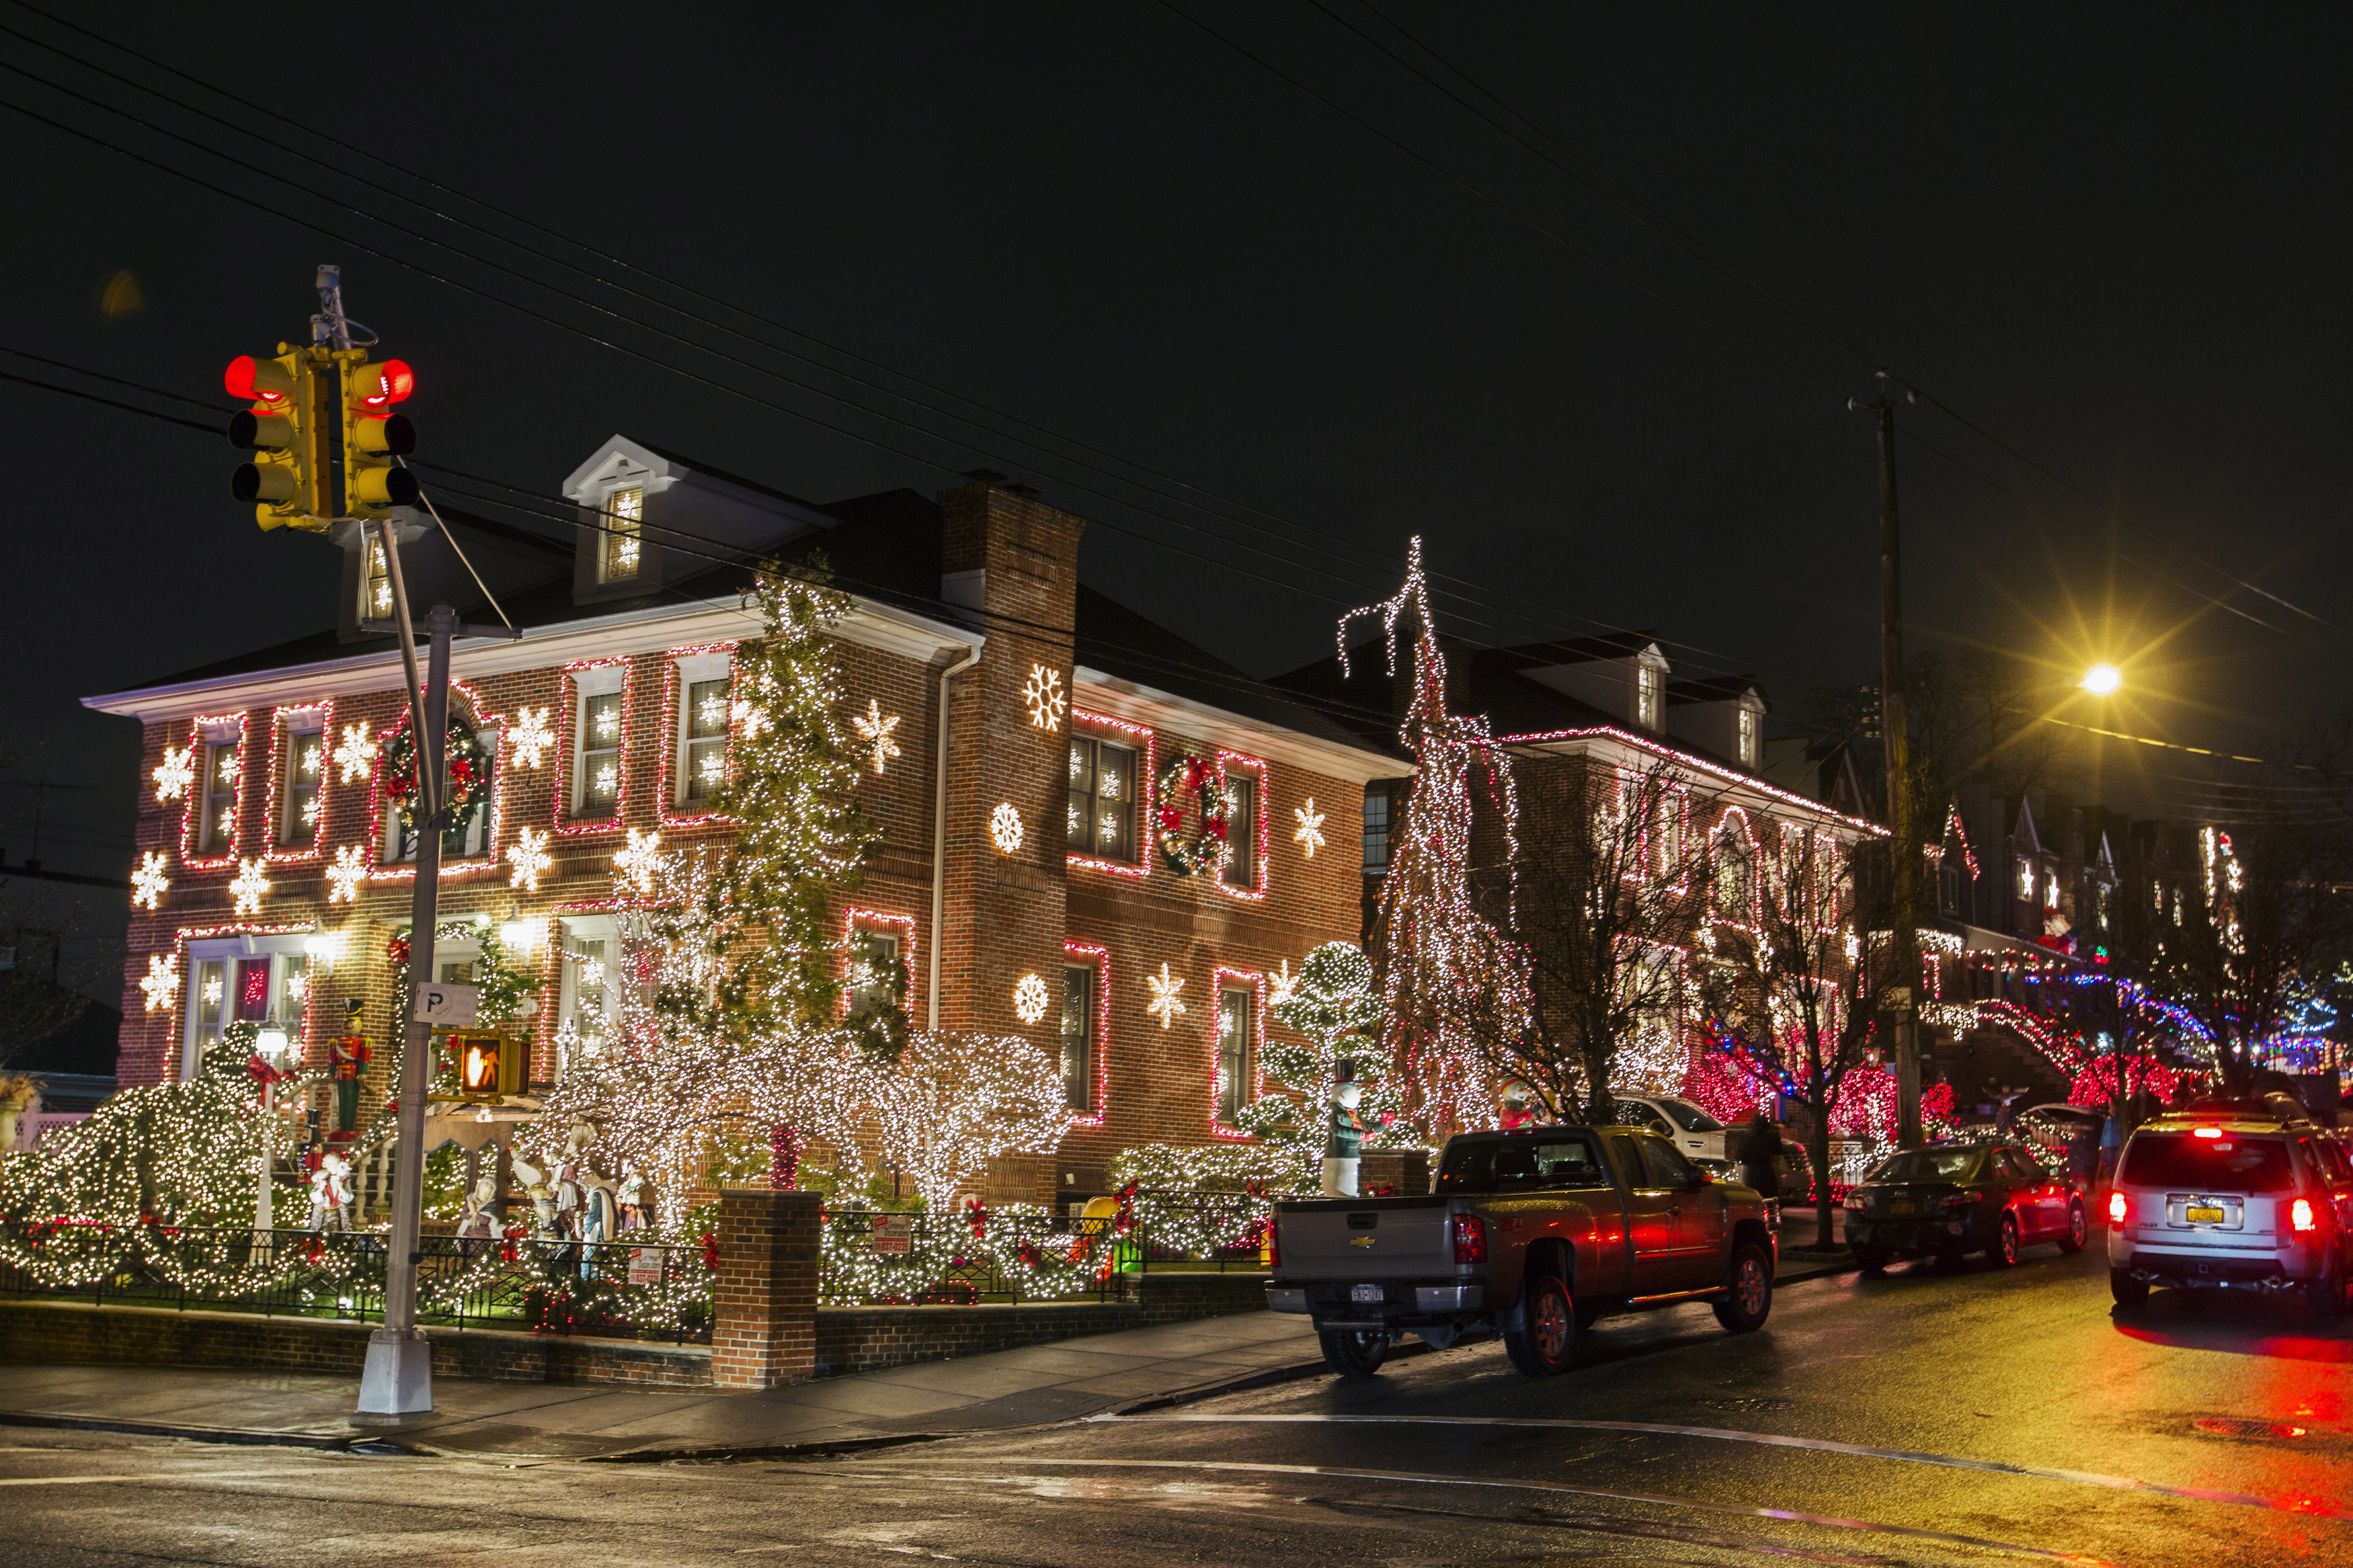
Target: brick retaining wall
(847, 1339)
(73, 1331)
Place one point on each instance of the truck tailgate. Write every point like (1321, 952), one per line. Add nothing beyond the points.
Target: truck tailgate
(1334, 1239)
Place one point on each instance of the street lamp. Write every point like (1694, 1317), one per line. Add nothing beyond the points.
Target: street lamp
(2101, 680)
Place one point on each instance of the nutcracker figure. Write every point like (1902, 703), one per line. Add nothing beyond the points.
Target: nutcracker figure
(348, 1056)
(1346, 1144)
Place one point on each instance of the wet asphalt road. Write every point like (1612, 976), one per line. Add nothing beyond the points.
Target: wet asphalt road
(2205, 1431)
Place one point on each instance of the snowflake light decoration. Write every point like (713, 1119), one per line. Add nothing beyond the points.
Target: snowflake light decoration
(530, 739)
(344, 877)
(1310, 834)
(1044, 697)
(1004, 828)
(1030, 999)
(876, 726)
(160, 983)
(529, 857)
(1285, 985)
(636, 863)
(176, 773)
(355, 757)
(148, 883)
(1164, 1005)
(249, 886)
(215, 989)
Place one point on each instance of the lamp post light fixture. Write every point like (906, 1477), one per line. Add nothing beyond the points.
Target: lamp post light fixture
(2101, 680)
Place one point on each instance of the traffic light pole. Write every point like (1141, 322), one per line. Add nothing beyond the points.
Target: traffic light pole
(1901, 1005)
(398, 1378)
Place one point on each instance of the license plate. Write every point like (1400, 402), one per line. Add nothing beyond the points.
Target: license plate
(1899, 1208)
(2203, 1214)
(1365, 1293)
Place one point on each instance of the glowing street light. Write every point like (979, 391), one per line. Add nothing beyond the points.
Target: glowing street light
(2101, 680)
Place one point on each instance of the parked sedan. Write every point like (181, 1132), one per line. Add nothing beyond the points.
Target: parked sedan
(1988, 1197)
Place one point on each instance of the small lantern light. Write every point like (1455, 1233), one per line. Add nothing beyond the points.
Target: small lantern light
(272, 1044)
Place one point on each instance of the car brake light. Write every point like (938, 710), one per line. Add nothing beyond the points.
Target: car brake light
(1470, 1238)
(2206, 1132)
(2118, 1209)
(2299, 1213)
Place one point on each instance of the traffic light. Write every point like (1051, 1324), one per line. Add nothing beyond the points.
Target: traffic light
(374, 434)
(285, 481)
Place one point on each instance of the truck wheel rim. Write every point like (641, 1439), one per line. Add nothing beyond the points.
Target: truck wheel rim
(1551, 1326)
(1752, 1287)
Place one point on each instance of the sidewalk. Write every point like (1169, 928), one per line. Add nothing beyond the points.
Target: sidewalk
(1002, 1389)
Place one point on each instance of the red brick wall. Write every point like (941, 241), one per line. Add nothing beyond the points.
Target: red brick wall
(764, 1330)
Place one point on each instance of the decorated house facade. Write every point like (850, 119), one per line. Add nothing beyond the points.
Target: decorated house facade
(1093, 835)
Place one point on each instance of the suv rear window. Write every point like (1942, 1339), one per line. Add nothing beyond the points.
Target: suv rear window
(1496, 1164)
(2233, 1162)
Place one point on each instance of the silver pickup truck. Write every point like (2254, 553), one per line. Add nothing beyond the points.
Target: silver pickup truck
(1531, 1234)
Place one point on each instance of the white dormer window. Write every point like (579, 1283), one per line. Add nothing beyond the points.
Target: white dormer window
(1750, 736)
(624, 522)
(1647, 682)
(375, 583)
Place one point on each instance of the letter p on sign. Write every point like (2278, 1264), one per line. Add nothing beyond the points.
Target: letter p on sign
(447, 1006)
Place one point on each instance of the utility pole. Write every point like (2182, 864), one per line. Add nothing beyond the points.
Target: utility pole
(1900, 1005)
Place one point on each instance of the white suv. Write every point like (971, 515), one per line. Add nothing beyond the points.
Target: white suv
(2226, 1195)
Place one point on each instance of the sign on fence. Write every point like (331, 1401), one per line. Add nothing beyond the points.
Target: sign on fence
(645, 1266)
(894, 1235)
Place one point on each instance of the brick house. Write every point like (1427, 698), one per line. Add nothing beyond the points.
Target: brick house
(1016, 727)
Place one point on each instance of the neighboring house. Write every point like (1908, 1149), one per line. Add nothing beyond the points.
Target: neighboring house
(1566, 710)
(1015, 726)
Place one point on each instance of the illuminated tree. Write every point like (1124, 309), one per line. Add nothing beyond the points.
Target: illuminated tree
(950, 1103)
(1451, 982)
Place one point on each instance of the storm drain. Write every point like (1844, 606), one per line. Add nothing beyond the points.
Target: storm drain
(2240, 1426)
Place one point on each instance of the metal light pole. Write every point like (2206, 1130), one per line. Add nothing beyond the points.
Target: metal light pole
(1900, 1004)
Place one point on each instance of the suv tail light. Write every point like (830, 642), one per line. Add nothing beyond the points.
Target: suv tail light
(2120, 1209)
(1470, 1238)
(2299, 1215)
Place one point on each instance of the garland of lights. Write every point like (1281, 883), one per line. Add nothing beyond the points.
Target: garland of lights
(466, 763)
(1204, 848)
(1450, 981)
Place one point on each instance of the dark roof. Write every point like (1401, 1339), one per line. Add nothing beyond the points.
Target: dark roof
(1714, 689)
(1479, 680)
(1116, 640)
(707, 471)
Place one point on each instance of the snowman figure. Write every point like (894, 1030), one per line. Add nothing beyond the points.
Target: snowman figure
(1346, 1144)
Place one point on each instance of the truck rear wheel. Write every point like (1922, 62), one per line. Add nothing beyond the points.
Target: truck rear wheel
(1355, 1352)
(1549, 1340)
(1749, 1301)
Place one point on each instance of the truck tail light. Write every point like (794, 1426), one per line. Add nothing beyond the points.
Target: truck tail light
(2299, 1217)
(1273, 1246)
(2118, 1209)
(1470, 1238)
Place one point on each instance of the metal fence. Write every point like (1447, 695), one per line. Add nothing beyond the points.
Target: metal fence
(612, 1291)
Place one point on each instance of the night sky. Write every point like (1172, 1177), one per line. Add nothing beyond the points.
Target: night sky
(2111, 239)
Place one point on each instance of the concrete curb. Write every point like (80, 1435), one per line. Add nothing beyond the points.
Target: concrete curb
(253, 1436)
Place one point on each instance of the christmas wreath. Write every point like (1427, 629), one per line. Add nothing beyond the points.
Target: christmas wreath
(1203, 848)
(469, 768)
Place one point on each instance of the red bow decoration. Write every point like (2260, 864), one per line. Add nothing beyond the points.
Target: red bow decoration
(977, 1214)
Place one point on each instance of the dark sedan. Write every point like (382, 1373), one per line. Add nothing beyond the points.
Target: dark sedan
(1962, 1198)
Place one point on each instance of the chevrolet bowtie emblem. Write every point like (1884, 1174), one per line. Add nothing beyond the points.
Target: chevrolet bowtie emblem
(1360, 1241)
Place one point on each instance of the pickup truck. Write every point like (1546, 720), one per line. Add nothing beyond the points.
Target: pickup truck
(1530, 1235)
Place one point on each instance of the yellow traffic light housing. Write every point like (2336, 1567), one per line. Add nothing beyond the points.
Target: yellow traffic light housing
(287, 478)
(374, 434)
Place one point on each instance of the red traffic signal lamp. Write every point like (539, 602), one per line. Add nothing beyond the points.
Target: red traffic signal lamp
(287, 479)
(374, 434)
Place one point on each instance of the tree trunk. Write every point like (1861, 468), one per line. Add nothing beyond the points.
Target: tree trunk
(1818, 1150)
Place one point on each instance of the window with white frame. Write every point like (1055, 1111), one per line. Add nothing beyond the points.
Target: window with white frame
(1733, 876)
(1649, 686)
(597, 725)
(1376, 832)
(1099, 815)
(1079, 1042)
(588, 992)
(699, 763)
(874, 968)
(376, 582)
(1237, 861)
(469, 836)
(1751, 737)
(304, 761)
(243, 979)
(1237, 1005)
(623, 522)
(223, 752)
